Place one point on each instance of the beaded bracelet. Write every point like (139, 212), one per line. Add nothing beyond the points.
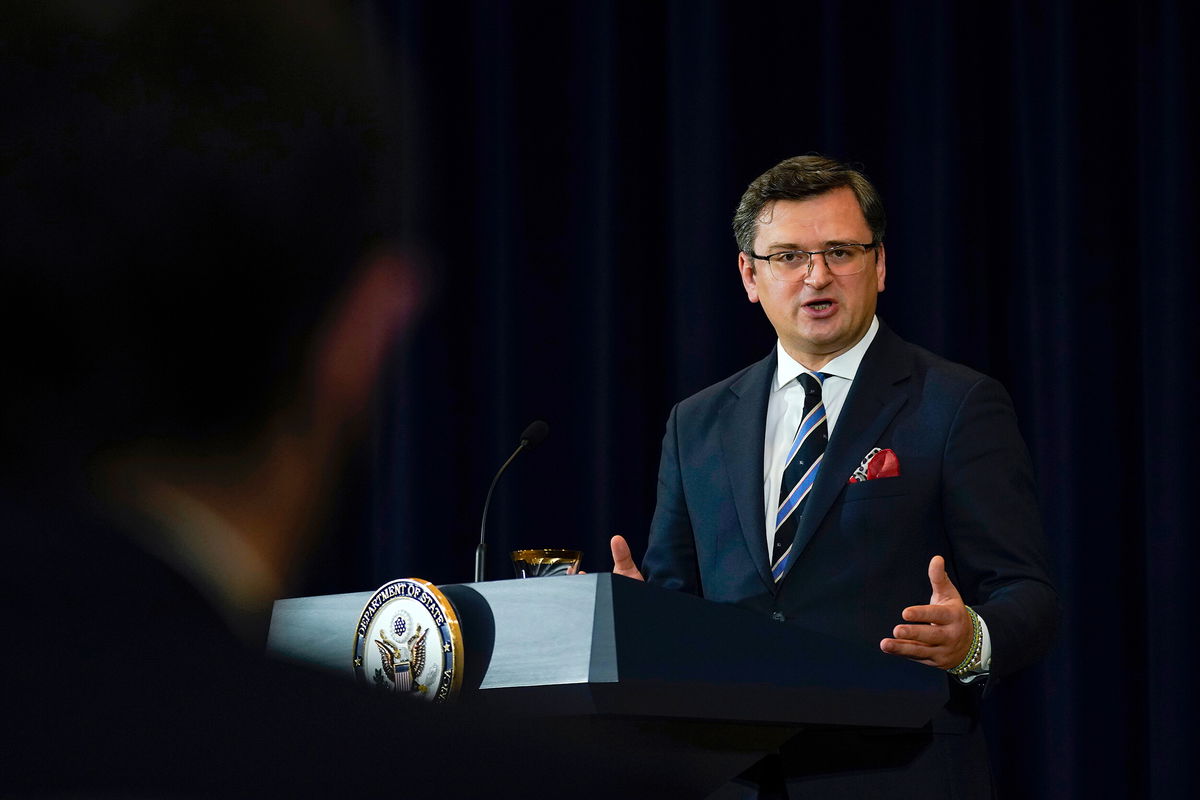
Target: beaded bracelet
(972, 656)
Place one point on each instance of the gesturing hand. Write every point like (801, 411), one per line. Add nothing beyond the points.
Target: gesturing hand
(623, 559)
(938, 634)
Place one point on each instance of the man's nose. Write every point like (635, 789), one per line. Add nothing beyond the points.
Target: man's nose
(818, 272)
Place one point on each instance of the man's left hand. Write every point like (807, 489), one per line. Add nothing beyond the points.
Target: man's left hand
(938, 634)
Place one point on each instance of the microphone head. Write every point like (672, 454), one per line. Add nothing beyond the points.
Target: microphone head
(534, 434)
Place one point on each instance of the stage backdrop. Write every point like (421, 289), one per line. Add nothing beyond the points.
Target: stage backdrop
(572, 169)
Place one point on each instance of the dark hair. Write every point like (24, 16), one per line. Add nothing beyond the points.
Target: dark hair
(186, 188)
(799, 178)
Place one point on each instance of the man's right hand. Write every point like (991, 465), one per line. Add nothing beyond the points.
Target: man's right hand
(623, 559)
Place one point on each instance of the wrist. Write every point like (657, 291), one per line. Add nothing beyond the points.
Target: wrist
(971, 660)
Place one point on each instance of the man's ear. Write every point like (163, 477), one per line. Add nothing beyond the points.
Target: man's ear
(880, 268)
(371, 318)
(749, 276)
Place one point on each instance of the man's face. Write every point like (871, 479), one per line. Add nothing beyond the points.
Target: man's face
(823, 315)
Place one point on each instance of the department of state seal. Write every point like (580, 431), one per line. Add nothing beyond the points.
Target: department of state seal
(408, 641)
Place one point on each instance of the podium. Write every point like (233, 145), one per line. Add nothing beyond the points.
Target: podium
(716, 683)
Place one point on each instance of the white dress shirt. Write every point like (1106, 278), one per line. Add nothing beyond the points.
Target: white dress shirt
(785, 409)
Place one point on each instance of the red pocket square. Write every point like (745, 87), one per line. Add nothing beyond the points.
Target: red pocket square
(877, 464)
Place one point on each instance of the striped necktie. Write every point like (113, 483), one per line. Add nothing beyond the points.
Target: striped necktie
(799, 472)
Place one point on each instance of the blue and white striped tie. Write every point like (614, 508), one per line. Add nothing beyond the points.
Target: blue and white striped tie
(799, 472)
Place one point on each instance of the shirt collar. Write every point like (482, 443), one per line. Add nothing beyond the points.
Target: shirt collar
(844, 366)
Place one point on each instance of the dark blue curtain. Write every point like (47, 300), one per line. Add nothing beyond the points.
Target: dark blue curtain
(572, 169)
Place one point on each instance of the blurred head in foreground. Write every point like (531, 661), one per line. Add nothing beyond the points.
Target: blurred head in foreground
(199, 256)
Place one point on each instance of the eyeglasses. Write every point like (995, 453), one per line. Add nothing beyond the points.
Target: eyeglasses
(793, 266)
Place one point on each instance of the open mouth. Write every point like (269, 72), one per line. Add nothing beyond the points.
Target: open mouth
(819, 305)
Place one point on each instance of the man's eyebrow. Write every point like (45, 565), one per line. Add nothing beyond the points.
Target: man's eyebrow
(828, 244)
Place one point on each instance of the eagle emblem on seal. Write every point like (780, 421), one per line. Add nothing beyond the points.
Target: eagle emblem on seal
(403, 662)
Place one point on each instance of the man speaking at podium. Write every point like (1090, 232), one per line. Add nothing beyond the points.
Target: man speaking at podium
(846, 477)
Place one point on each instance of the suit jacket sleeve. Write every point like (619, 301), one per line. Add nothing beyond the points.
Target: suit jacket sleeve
(992, 521)
(671, 556)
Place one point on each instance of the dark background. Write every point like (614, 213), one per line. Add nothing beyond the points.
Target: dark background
(572, 170)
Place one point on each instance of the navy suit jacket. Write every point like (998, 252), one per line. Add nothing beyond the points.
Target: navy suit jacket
(965, 491)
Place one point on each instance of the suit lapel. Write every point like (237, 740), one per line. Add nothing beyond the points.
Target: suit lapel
(743, 424)
(875, 397)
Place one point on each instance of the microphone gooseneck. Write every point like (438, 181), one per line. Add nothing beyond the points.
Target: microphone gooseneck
(533, 435)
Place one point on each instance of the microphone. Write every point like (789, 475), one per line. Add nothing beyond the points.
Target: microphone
(534, 434)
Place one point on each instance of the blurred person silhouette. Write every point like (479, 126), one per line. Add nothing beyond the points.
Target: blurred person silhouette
(200, 261)
(203, 282)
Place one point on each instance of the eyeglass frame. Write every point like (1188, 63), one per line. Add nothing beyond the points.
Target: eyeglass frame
(812, 259)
